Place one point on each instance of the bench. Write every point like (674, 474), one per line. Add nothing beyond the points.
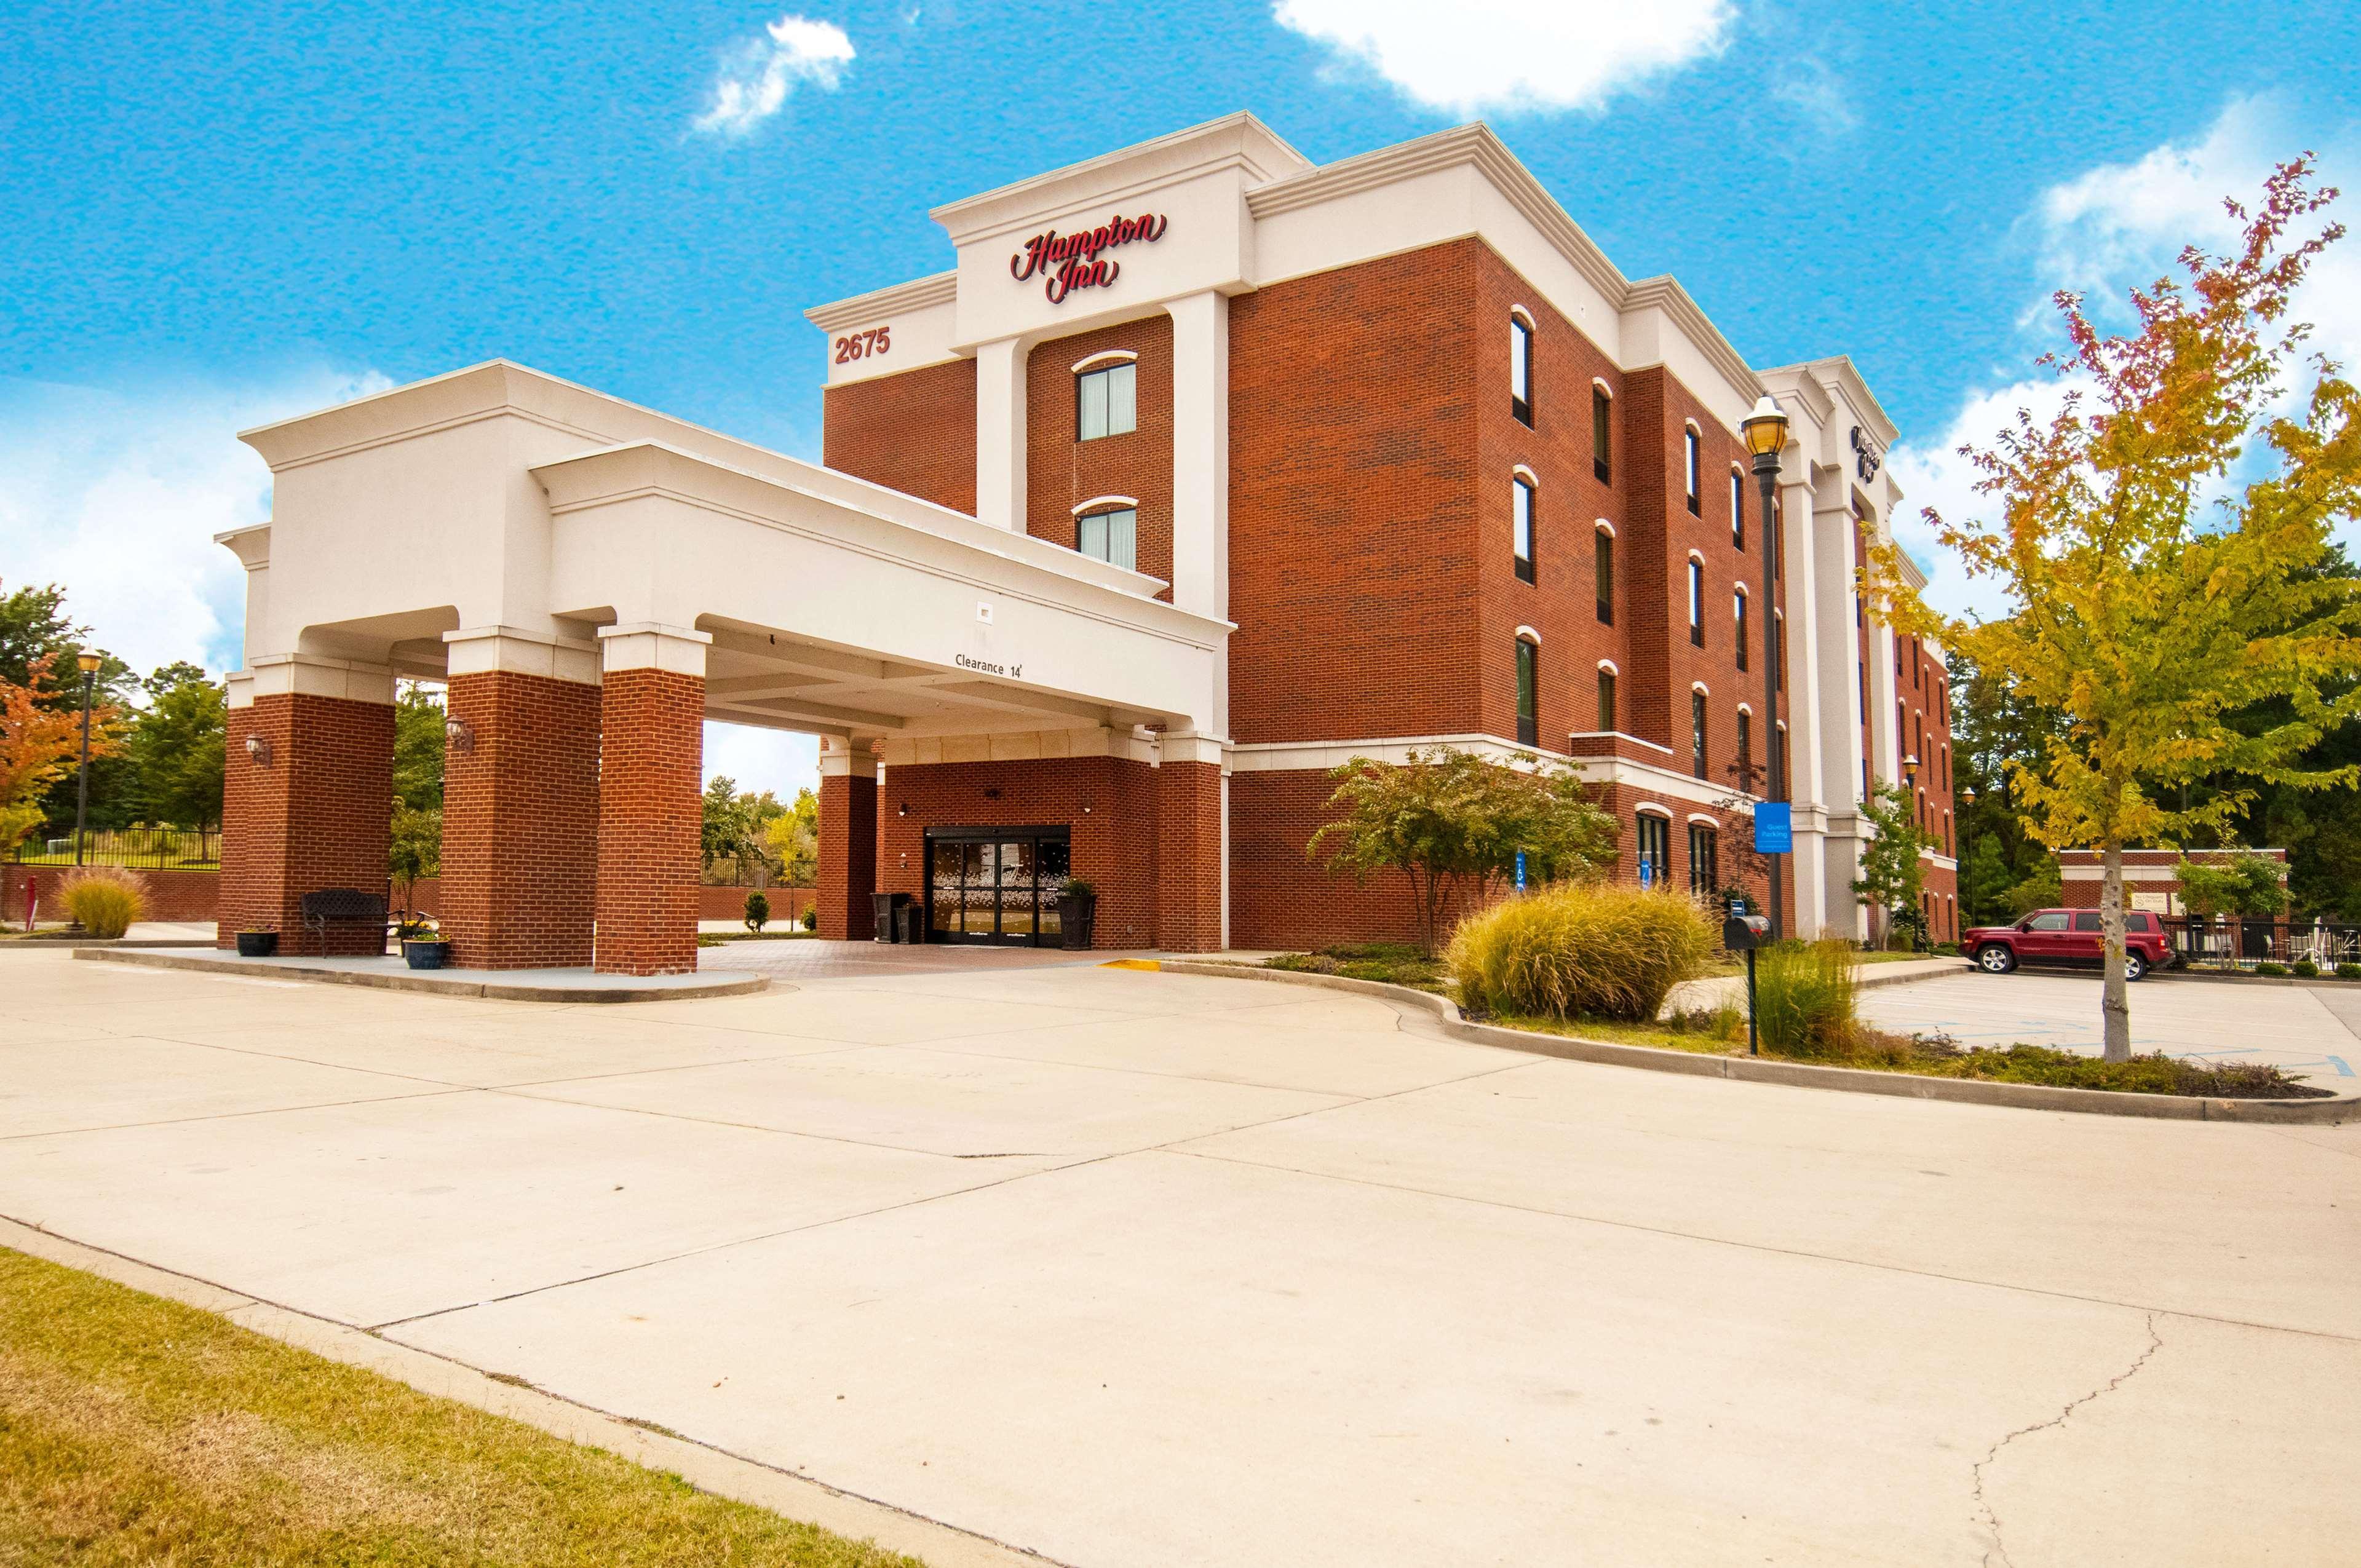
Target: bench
(344, 906)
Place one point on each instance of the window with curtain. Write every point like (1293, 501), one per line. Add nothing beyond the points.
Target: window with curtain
(1655, 849)
(1738, 510)
(1737, 615)
(1111, 536)
(1696, 601)
(1746, 749)
(1696, 733)
(1527, 693)
(1604, 543)
(1520, 368)
(1705, 861)
(1606, 701)
(1106, 401)
(1521, 512)
(1602, 425)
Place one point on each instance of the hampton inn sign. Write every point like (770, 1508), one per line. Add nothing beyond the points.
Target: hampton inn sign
(1094, 584)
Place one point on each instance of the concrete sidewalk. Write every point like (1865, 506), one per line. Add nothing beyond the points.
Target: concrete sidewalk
(1131, 1268)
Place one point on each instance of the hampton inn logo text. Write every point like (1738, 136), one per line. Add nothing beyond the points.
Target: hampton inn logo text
(1065, 262)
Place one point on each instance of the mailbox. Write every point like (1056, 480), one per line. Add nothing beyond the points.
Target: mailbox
(1742, 932)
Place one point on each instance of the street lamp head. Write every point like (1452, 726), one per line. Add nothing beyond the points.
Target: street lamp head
(1765, 428)
(1910, 767)
(88, 663)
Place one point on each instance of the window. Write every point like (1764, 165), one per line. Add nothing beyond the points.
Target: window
(1521, 508)
(1602, 422)
(1606, 702)
(1106, 401)
(1520, 368)
(1864, 692)
(1745, 750)
(1528, 687)
(1694, 448)
(1779, 654)
(1696, 601)
(1779, 762)
(1655, 849)
(1112, 536)
(2053, 921)
(1696, 733)
(1738, 614)
(2088, 921)
(1606, 566)
(1778, 519)
(1918, 666)
(1705, 861)
(1738, 510)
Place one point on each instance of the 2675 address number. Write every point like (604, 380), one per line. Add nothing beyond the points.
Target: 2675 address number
(862, 345)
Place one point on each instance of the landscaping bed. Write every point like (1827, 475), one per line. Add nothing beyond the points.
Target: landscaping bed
(136, 1430)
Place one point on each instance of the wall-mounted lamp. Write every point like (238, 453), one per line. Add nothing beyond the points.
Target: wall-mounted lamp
(902, 810)
(260, 750)
(458, 734)
(992, 794)
(1086, 808)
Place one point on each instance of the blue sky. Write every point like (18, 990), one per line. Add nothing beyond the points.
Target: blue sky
(218, 215)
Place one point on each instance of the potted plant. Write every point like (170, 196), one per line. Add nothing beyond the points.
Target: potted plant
(1078, 903)
(256, 943)
(423, 946)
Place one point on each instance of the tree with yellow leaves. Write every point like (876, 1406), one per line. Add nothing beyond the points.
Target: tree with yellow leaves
(2160, 569)
(41, 743)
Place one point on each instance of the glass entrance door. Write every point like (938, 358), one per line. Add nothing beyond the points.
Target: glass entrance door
(995, 884)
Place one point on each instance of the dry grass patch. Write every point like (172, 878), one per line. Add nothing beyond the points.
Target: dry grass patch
(135, 1430)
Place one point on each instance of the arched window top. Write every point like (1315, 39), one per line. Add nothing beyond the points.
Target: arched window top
(1700, 688)
(1106, 356)
(1697, 556)
(1521, 314)
(1608, 665)
(1691, 426)
(1604, 390)
(1527, 634)
(1746, 709)
(1108, 503)
(1701, 819)
(1605, 527)
(1650, 808)
(1527, 475)
(1741, 590)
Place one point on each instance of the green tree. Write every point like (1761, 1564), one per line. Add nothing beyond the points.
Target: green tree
(419, 747)
(1893, 878)
(1453, 822)
(175, 749)
(1985, 881)
(2242, 882)
(2155, 590)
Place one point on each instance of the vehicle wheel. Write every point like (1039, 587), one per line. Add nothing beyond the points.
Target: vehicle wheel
(2134, 966)
(1995, 959)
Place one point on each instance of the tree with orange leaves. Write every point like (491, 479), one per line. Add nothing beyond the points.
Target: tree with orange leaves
(2161, 575)
(41, 743)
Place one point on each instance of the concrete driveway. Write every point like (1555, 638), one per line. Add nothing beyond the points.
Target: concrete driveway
(2311, 1031)
(1145, 1270)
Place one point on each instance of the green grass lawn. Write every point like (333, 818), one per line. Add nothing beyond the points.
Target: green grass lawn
(135, 1430)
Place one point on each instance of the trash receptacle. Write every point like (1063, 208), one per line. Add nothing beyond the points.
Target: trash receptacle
(882, 907)
(909, 920)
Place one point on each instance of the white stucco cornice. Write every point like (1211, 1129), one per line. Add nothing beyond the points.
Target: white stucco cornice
(1834, 380)
(917, 294)
(1664, 294)
(1234, 141)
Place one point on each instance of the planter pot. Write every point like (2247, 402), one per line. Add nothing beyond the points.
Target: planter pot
(256, 944)
(1076, 911)
(425, 955)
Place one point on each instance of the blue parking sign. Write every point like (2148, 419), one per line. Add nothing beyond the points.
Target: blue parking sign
(1775, 827)
(1521, 870)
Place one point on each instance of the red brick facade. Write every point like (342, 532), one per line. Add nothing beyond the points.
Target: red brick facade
(521, 822)
(650, 814)
(1188, 857)
(848, 855)
(913, 432)
(171, 895)
(1063, 471)
(316, 816)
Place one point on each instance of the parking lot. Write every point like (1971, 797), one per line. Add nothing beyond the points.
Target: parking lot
(2308, 1030)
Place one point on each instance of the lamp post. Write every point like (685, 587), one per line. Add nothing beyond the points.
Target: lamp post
(89, 665)
(1765, 430)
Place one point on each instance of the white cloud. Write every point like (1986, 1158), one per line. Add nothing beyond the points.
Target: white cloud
(115, 497)
(758, 73)
(776, 760)
(1934, 474)
(1476, 55)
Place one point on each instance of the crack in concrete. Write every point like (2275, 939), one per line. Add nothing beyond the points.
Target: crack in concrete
(1998, 1551)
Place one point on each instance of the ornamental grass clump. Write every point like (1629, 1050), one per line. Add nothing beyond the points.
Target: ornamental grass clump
(105, 900)
(1805, 998)
(1590, 948)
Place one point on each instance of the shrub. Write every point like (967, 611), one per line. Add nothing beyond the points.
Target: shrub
(106, 899)
(1805, 997)
(1608, 950)
(2348, 971)
(811, 918)
(2306, 969)
(758, 912)
(2268, 967)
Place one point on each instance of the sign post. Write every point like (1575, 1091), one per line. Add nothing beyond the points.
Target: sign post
(1521, 870)
(1744, 933)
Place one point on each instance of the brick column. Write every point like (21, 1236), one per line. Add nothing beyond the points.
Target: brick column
(1189, 845)
(847, 840)
(650, 756)
(309, 806)
(521, 801)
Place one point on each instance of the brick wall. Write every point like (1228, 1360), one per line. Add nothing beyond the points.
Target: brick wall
(521, 822)
(1061, 471)
(913, 431)
(787, 903)
(1354, 527)
(1115, 841)
(1188, 857)
(848, 855)
(318, 816)
(650, 812)
(171, 895)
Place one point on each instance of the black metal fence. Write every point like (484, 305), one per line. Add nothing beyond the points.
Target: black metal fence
(143, 848)
(2232, 943)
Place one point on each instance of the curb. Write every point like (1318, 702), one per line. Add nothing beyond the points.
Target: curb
(1801, 1075)
(429, 981)
(50, 944)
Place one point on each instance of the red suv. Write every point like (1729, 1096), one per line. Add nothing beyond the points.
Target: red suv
(2067, 937)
